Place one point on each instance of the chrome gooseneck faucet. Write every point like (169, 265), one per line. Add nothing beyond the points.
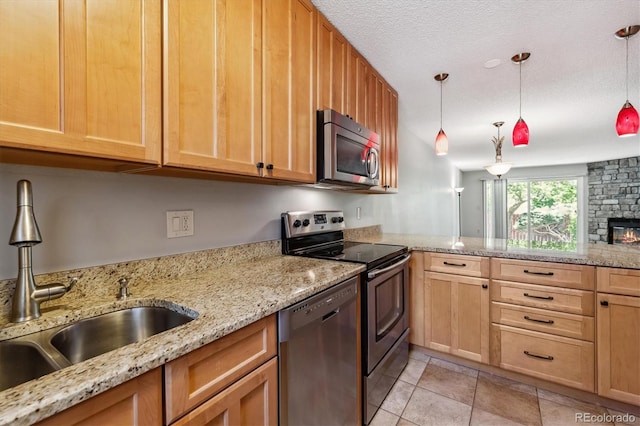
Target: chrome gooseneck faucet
(28, 296)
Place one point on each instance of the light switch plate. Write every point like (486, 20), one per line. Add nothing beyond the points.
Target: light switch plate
(179, 223)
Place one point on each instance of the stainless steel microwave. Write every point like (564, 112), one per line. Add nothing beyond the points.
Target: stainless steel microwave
(348, 153)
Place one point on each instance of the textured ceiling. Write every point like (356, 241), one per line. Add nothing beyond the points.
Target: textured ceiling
(573, 84)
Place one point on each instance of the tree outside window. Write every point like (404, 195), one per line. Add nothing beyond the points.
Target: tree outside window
(543, 213)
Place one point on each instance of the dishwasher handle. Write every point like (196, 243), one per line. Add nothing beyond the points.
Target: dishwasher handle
(371, 275)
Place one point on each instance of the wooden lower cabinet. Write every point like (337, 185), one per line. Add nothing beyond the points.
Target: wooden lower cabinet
(252, 400)
(456, 315)
(618, 340)
(207, 372)
(136, 402)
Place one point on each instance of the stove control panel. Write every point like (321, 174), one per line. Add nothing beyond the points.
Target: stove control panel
(312, 222)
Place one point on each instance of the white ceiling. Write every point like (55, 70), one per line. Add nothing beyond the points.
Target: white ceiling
(573, 85)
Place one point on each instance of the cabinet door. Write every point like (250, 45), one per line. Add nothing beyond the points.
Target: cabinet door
(456, 315)
(252, 400)
(136, 402)
(289, 89)
(82, 77)
(470, 318)
(437, 311)
(213, 85)
(357, 69)
(198, 375)
(618, 340)
(332, 67)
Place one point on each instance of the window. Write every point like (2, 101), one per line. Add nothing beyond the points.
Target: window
(543, 213)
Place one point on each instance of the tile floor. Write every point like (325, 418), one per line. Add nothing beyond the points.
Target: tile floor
(431, 391)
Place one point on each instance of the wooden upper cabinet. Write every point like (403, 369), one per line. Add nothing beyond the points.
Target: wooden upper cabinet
(240, 87)
(332, 67)
(213, 85)
(357, 69)
(82, 77)
(382, 117)
(289, 78)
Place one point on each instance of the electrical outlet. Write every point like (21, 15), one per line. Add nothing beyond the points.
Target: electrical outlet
(179, 223)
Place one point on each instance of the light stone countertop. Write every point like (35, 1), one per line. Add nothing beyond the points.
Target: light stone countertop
(226, 297)
(617, 256)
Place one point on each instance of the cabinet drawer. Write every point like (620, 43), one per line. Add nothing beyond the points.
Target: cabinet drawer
(473, 266)
(538, 296)
(547, 273)
(558, 323)
(197, 376)
(554, 358)
(619, 281)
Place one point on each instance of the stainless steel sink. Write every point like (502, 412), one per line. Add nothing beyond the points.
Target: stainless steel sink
(95, 336)
(21, 362)
(29, 357)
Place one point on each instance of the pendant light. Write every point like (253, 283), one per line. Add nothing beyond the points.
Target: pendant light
(498, 168)
(520, 135)
(442, 143)
(627, 122)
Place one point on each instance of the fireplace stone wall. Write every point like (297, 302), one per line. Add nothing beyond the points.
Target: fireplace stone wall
(614, 192)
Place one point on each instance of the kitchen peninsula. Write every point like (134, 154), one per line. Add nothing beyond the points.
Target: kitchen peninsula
(243, 284)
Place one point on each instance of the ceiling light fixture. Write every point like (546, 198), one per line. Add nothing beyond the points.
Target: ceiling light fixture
(520, 135)
(498, 168)
(442, 143)
(627, 122)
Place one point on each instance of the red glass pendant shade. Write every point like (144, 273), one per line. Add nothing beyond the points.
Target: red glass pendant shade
(520, 133)
(627, 122)
(442, 143)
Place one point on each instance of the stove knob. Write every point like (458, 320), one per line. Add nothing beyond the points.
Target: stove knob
(334, 219)
(297, 223)
(341, 219)
(305, 222)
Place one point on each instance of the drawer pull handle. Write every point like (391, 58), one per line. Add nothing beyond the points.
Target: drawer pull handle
(604, 303)
(545, 357)
(455, 264)
(538, 320)
(549, 274)
(537, 297)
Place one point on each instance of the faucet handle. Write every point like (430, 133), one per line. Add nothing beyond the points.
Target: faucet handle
(124, 289)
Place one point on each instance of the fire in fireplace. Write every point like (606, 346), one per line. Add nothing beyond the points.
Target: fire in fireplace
(624, 231)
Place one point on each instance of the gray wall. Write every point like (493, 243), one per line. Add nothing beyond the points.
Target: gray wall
(472, 207)
(95, 218)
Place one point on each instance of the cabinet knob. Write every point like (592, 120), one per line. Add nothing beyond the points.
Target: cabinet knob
(269, 166)
(260, 165)
(485, 286)
(604, 303)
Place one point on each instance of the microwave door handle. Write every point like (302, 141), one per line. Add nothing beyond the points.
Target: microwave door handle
(376, 272)
(372, 153)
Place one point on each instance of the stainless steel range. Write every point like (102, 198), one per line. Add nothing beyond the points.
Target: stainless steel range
(384, 294)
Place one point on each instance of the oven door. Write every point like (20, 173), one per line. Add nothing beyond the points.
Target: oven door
(387, 309)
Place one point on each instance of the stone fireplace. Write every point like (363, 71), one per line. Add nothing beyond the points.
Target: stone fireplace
(614, 196)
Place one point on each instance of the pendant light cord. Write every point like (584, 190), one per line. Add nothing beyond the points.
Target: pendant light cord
(520, 88)
(627, 38)
(441, 101)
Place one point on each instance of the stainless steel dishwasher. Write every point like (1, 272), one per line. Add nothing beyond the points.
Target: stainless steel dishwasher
(318, 358)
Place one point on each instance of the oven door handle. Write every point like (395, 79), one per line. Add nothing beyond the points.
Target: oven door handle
(376, 272)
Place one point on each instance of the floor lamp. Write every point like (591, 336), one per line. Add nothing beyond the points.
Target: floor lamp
(459, 192)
